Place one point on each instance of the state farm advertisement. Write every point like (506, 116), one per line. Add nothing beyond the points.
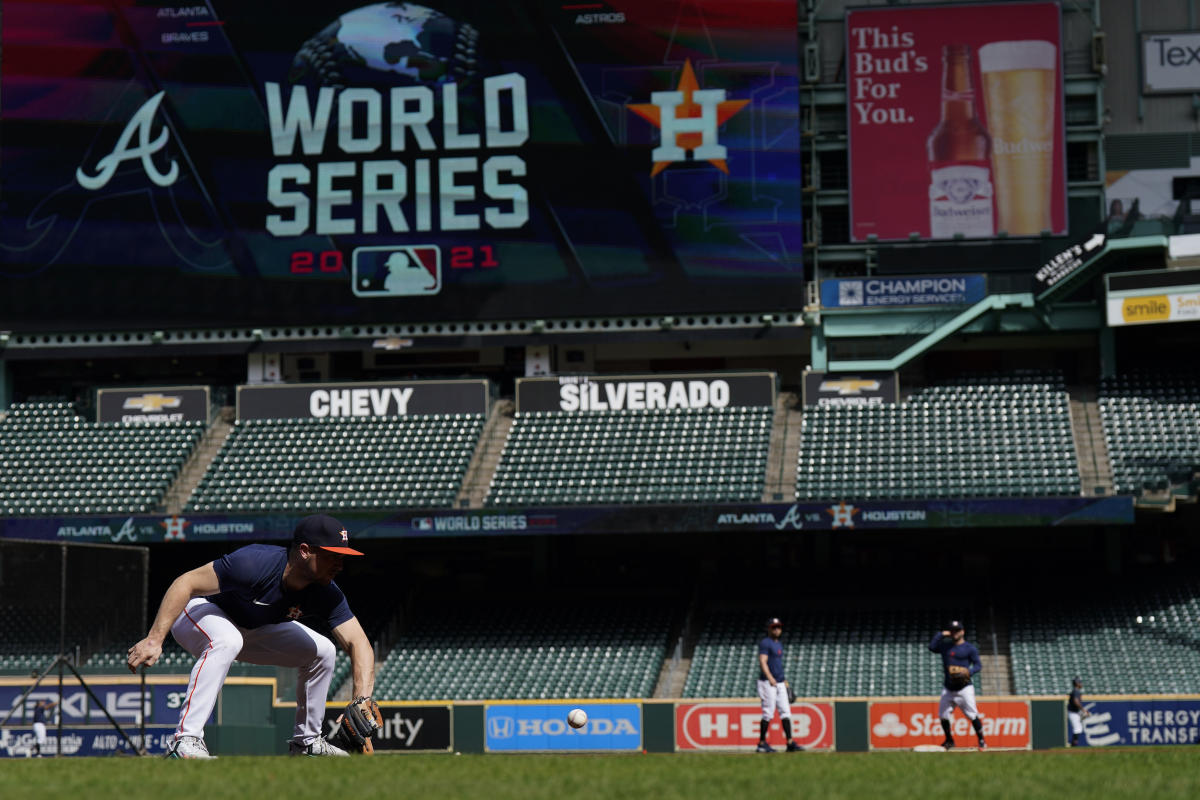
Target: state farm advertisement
(905, 724)
(733, 726)
(956, 121)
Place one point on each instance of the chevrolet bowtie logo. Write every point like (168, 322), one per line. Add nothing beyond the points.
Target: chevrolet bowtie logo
(153, 402)
(850, 386)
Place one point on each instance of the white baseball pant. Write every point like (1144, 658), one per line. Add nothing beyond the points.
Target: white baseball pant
(964, 698)
(773, 697)
(39, 732)
(216, 642)
(1076, 722)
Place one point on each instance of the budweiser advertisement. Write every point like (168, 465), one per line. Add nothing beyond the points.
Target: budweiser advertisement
(956, 121)
(898, 724)
(734, 726)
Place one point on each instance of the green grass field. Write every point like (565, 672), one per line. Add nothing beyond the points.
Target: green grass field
(1159, 773)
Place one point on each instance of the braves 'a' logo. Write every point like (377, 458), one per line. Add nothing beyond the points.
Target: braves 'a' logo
(139, 123)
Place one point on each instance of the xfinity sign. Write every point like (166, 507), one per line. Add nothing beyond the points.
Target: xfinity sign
(1171, 62)
(543, 727)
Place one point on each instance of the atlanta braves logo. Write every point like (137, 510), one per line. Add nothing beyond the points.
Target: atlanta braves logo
(140, 123)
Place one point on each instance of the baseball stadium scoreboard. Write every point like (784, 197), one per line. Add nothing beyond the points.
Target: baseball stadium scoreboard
(274, 163)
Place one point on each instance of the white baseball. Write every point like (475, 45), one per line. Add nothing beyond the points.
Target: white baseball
(577, 718)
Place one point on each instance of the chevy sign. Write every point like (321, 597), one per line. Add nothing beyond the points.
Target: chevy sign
(514, 728)
(903, 290)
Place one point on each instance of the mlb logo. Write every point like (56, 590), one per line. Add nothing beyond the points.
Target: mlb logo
(850, 293)
(396, 271)
(422, 524)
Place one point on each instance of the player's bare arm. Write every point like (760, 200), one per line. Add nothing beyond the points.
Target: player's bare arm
(353, 639)
(762, 665)
(194, 583)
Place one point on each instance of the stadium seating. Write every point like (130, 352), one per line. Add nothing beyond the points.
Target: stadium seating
(630, 457)
(345, 463)
(991, 436)
(53, 461)
(1152, 429)
(1137, 640)
(614, 649)
(832, 651)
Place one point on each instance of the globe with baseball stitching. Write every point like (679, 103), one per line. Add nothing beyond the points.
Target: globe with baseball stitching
(390, 44)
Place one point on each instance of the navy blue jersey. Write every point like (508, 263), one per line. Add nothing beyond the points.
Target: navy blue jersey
(39, 713)
(962, 654)
(252, 592)
(1075, 700)
(773, 650)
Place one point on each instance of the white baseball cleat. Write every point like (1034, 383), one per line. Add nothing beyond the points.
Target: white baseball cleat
(189, 747)
(318, 747)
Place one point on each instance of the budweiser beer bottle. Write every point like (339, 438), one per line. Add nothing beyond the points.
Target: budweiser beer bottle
(960, 185)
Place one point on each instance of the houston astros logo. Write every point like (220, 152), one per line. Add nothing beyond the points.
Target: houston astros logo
(294, 613)
(345, 538)
(152, 402)
(843, 515)
(140, 123)
(688, 118)
(174, 529)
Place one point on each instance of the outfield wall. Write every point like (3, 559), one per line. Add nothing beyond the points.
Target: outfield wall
(250, 720)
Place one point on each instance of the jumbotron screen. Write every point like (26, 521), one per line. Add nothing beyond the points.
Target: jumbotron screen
(284, 163)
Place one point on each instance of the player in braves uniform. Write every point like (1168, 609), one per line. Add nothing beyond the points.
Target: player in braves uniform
(773, 688)
(39, 724)
(960, 660)
(244, 606)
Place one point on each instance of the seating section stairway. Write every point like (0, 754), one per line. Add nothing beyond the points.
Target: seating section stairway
(988, 436)
(54, 462)
(713, 455)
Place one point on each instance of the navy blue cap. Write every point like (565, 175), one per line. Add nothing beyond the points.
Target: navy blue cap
(325, 532)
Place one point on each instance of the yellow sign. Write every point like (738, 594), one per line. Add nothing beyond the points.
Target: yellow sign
(1152, 308)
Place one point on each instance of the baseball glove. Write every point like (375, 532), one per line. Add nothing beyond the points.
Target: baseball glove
(791, 693)
(357, 724)
(959, 676)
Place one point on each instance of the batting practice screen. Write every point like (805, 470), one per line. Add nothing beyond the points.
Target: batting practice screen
(274, 162)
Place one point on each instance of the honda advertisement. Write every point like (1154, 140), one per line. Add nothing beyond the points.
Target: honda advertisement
(731, 726)
(540, 727)
(346, 162)
(903, 725)
(406, 729)
(955, 117)
(1125, 722)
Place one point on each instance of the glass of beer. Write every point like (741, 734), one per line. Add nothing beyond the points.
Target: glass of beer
(1019, 89)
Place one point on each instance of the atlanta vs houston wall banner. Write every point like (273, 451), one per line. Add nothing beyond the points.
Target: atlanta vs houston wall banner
(275, 162)
(955, 116)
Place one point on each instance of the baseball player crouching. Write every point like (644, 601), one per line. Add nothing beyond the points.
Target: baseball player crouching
(960, 660)
(773, 689)
(245, 606)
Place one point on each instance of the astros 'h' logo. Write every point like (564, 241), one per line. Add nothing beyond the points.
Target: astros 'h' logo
(688, 118)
